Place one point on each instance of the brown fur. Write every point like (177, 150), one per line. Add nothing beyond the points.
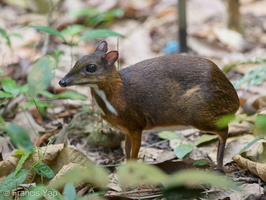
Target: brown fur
(164, 91)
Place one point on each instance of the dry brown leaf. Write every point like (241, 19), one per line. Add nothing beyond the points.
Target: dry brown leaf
(152, 155)
(5, 147)
(230, 38)
(55, 156)
(80, 174)
(71, 155)
(237, 128)
(250, 189)
(260, 103)
(254, 167)
(235, 145)
(9, 165)
(113, 183)
(62, 172)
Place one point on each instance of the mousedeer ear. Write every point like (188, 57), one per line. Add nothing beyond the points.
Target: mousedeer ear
(111, 57)
(102, 46)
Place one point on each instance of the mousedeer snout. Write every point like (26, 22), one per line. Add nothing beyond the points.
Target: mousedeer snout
(63, 82)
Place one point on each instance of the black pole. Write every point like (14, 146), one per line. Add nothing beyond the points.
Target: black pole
(182, 25)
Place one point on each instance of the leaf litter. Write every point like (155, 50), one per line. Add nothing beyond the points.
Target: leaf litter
(206, 38)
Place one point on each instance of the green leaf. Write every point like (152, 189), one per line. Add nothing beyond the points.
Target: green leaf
(79, 174)
(84, 12)
(72, 30)
(100, 33)
(16, 35)
(136, 174)
(251, 143)
(10, 86)
(2, 124)
(5, 94)
(44, 170)
(69, 191)
(6, 36)
(40, 191)
(34, 193)
(182, 150)
(39, 103)
(224, 121)
(254, 77)
(58, 53)
(73, 95)
(205, 138)
(192, 177)
(47, 94)
(19, 137)
(19, 152)
(41, 75)
(200, 163)
(70, 95)
(24, 88)
(169, 135)
(13, 180)
(118, 12)
(260, 123)
(46, 29)
(21, 161)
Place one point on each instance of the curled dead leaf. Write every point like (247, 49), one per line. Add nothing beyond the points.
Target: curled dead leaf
(77, 173)
(55, 156)
(254, 167)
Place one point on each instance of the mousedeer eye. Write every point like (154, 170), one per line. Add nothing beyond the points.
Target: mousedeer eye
(91, 68)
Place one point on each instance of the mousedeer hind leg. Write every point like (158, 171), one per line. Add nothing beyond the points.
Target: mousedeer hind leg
(221, 146)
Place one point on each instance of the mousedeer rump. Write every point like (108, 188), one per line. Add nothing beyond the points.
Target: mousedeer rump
(165, 91)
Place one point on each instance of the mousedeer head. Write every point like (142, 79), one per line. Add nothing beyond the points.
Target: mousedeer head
(93, 68)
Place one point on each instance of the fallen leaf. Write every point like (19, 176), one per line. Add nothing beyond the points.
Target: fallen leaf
(231, 38)
(254, 167)
(77, 173)
(249, 189)
(136, 174)
(55, 156)
(235, 145)
(205, 138)
(168, 135)
(182, 150)
(196, 177)
(152, 155)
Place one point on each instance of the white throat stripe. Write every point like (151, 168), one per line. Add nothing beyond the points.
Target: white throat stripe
(107, 103)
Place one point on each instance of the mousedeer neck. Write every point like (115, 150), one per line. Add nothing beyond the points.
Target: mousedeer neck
(108, 95)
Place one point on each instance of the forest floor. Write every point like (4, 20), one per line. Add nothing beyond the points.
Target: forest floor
(150, 29)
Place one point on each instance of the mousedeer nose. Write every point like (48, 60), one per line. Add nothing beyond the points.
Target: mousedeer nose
(63, 83)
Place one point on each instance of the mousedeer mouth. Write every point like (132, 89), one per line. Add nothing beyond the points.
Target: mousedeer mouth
(66, 83)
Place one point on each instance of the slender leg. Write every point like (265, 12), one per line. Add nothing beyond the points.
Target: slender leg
(221, 147)
(127, 146)
(136, 142)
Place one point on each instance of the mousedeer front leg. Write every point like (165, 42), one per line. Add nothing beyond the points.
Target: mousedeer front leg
(133, 142)
(128, 146)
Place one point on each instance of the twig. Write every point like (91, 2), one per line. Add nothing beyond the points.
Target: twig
(12, 105)
(154, 144)
(138, 192)
(49, 23)
(247, 179)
